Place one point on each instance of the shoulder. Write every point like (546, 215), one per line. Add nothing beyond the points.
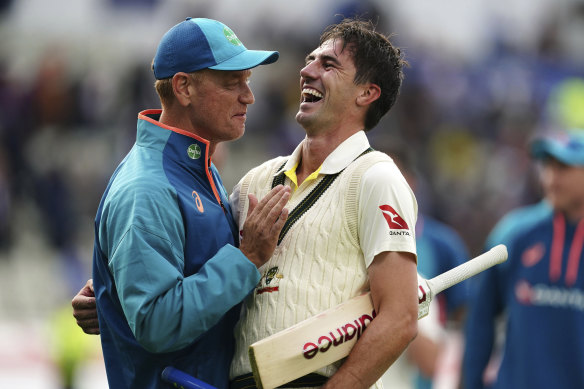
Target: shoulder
(137, 189)
(380, 170)
(140, 183)
(518, 222)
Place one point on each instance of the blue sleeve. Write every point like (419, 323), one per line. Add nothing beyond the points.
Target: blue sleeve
(484, 307)
(165, 310)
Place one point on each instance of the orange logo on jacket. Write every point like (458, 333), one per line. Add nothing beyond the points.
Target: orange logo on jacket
(198, 201)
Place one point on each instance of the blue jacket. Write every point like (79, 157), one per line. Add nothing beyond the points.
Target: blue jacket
(167, 275)
(541, 291)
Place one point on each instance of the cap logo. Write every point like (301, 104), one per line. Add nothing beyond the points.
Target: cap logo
(194, 151)
(231, 37)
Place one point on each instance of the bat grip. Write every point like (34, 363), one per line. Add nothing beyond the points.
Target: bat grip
(180, 379)
(494, 256)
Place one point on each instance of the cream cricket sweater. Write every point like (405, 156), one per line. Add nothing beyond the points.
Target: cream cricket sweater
(317, 265)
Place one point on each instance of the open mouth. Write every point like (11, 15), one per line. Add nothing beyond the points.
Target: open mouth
(311, 95)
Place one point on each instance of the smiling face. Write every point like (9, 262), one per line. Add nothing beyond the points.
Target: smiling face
(219, 104)
(563, 186)
(328, 89)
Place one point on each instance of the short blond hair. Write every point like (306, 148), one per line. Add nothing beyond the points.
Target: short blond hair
(164, 90)
(164, 87)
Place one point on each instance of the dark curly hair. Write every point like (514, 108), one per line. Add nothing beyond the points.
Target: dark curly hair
(376, 60)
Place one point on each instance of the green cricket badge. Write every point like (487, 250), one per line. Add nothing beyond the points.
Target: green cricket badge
(194, 151)
(231, 37)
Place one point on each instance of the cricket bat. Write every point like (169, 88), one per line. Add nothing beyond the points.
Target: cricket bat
(329, 336)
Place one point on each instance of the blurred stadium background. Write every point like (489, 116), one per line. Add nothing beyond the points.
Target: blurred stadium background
(484, 77)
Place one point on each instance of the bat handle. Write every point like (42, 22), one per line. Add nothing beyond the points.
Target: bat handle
(494, 256)
(181, 380)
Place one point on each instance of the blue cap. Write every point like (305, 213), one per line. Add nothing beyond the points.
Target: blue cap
(196, 44)
(565, 146)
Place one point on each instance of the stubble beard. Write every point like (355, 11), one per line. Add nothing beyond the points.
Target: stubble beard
(312, 122)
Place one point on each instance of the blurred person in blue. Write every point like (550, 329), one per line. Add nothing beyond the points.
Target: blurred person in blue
(168, 276)
(538, 294)
(440, 248)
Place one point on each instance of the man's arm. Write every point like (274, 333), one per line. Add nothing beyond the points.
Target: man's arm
(393, 281)
(265, 220)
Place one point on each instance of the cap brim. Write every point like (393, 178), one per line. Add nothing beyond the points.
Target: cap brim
(543, 148)
(248, 59)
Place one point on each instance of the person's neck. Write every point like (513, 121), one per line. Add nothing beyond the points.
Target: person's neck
(576, 214)
(316, 148)
(168, 119)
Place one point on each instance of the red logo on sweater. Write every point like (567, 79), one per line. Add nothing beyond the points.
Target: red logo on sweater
(394, 220)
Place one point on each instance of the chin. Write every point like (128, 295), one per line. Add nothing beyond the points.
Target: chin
(236, 136)
(304, 119)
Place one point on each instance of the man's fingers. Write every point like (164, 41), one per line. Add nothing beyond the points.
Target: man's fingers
(277, 212)
(83, 302)
(85, 309)
(85, 314)
(87, 291)
(272, 207)
(92, 331)
(272, 196)
(89, 326)
(253, 202)
(279, 224)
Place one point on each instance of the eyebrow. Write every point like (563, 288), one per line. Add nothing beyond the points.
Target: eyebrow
(323, 57)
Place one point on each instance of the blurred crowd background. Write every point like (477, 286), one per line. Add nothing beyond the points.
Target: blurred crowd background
(484, 77)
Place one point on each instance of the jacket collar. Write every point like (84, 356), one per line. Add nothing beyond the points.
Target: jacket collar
(184, 148)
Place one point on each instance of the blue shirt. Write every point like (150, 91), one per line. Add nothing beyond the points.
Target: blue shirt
(540, 288)
(167, 276)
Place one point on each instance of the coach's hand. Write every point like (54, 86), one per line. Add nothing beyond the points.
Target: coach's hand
(85, 310)
(263, 224)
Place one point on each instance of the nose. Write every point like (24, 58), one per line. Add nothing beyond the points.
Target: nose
(247, 96)
(308, 71)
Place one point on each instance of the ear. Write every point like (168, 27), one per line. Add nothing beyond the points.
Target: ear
(180, 86)
(369, 94)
